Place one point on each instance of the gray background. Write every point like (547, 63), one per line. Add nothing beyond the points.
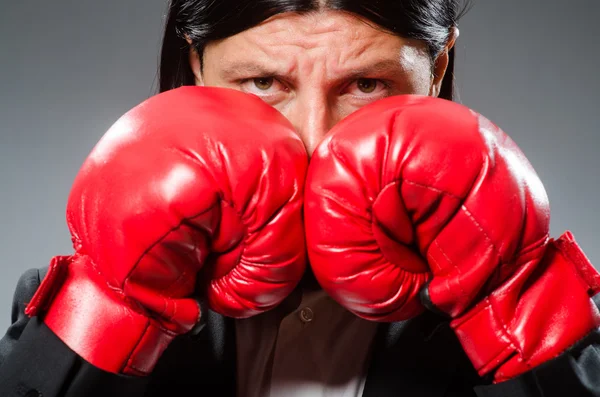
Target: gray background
(69, 69)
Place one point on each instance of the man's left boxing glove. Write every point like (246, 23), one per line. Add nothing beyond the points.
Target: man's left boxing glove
(194, 192)
(419, 196)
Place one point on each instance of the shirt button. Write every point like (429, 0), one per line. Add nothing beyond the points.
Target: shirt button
(307, 315)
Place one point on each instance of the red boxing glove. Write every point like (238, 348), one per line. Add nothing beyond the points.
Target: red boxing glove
(418, 196)
(197, 191)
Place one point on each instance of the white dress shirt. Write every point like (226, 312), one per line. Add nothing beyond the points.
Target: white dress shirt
(308, 346)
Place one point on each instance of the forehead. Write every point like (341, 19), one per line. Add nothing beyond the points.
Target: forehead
(337, 38)
(308, 30)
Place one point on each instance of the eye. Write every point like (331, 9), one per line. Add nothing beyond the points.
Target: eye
(367, 88)
(263, 83)
(263, 86)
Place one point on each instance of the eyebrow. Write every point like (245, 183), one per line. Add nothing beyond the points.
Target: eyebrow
(245, 68)
(383, 67)
(249, 68)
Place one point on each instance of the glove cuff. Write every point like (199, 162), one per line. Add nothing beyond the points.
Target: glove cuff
(534, 316)
(98, 322)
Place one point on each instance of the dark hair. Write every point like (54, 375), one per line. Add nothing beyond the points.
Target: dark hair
(203, 21)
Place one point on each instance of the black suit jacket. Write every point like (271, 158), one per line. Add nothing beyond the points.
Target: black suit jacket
(416, 358)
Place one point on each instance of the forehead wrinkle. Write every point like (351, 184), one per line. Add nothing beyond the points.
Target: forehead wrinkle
(361, 52)
(262, 61)
(311, 30)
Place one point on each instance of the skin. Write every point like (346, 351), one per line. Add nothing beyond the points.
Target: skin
(318, 68)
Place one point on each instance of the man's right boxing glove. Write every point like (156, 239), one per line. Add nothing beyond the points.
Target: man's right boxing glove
(196, 191)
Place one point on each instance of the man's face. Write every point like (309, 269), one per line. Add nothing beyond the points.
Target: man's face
(318, 68)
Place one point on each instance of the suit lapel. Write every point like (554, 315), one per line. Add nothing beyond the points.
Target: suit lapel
(413, 358)
(193, 365)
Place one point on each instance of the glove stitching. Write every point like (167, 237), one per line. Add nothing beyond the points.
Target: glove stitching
(482, 230)
(169, 303)
(420, 184)
(486, 236)
(149, 324)
(472, 316)
(462, 290)
(494, 311)
(513, 342)
(128, 361)
(171, 289)
(437, 264)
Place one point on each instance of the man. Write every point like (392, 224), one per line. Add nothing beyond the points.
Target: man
(316, 69)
